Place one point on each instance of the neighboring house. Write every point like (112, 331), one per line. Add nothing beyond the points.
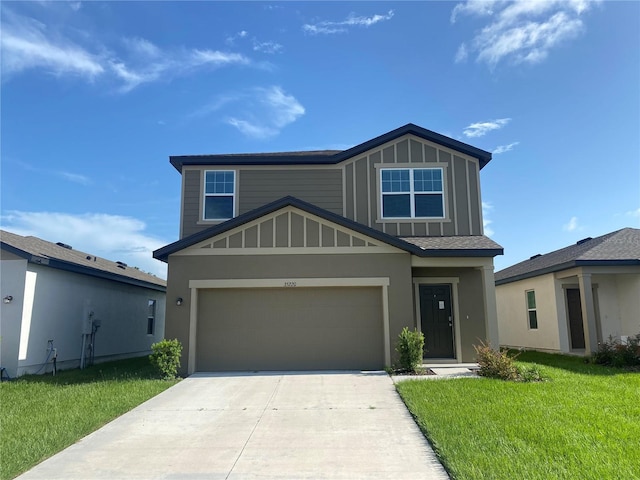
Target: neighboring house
(85, 307)
(572, 299)
(317, 260)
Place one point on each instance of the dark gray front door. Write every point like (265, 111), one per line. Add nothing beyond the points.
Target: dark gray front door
(576, 327)
(437, 321)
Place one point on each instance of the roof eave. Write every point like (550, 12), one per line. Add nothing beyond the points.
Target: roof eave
(75, 268)
(163, 253)
(484, 157)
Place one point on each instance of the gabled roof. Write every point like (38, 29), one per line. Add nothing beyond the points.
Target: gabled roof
(64, 257)
(329, 157)
(621, 247)
(477, 246)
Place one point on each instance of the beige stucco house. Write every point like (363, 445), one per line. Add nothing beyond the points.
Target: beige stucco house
(571, 299)
(317, 260)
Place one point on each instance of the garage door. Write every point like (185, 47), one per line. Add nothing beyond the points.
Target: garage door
(290, 329)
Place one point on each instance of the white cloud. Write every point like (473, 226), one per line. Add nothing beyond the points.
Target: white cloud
(487, 207)
(29, 44)
(113, 237)
(331, 27)
(521, 32)
(216, 58)
(267, 47)
(504, 148)
(572, 225)
(259, 113)
(251, 129)
(462, 53)
(479, 129)
(633, 213)
(25, 46)
(76, 178)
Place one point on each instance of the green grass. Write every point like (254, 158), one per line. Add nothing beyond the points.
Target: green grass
(583, 422)
(43, 414)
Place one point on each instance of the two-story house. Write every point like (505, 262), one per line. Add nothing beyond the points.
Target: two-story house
(317, 260)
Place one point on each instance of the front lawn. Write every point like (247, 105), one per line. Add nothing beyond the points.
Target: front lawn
(583, 422)
(43, 414)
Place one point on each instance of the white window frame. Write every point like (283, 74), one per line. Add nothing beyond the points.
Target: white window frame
(412, 193)
(529, 310)
(205, 195)
(151, 315)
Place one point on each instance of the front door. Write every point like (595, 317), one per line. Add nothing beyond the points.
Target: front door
(437, 321)
(576, 327)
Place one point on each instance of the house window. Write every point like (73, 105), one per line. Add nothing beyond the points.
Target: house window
(531, 309)
(151, 317)
(219, 194)
(412, 193)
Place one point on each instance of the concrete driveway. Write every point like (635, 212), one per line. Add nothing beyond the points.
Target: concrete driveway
(293, 425)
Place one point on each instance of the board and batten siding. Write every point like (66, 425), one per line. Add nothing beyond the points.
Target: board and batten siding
(463, 208)
(257, 187)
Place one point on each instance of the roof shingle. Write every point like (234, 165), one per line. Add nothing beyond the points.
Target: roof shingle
(33, 248)
(621, 247)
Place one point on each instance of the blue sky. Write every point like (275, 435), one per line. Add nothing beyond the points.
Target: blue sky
(97, 95)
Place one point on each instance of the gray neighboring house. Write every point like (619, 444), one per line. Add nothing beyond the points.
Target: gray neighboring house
(317, 260)
(92, 309)
(571, 299)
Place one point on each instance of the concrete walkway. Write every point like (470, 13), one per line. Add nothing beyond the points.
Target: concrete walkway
(298, 425)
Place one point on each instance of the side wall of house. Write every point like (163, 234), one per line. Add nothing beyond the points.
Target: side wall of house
(513, 317)
(12, 283)
(54, 304)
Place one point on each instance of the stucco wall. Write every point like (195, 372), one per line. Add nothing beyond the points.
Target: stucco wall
(53, 310)
(513, 320)
(619, 302)
(629, 300)
(12, 281)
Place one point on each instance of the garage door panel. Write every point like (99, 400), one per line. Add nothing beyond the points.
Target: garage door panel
(289, 329)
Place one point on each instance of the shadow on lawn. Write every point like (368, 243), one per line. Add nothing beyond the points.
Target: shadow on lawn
(132, 368)
(570, 363)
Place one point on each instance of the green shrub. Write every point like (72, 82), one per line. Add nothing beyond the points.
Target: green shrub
(529, 373)
(496, 363)
(410, 347)
(499, 364)
(616, 354)
(166, 357)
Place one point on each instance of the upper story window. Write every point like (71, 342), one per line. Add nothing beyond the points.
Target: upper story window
(412, 193)
(219, 194)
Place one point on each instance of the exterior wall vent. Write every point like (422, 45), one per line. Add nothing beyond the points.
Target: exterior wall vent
(64, 245)
(535, 256)
(584, 240)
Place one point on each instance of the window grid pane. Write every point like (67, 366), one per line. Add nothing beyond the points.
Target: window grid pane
(219, 183)
(425, 189)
